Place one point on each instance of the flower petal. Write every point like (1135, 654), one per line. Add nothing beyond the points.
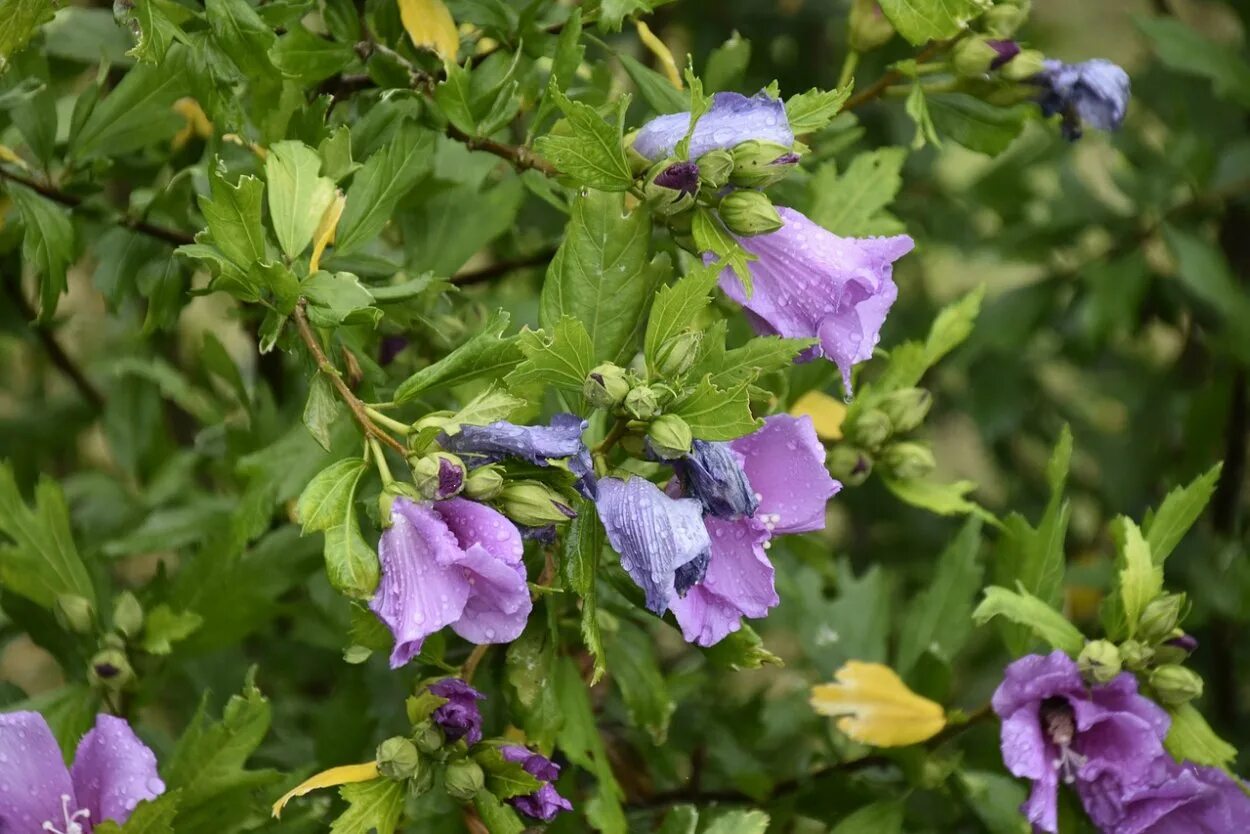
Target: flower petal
(1026, 753)
(785, 463)
(712, 473)
(114, 771)
(732, 120)
(459, 717)
(1042, 806)
(33, 776)
(473, 523)
(479, 445)
(499, 599)
(1035, 677)
(738, 583)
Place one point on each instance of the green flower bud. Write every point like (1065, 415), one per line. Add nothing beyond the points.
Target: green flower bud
(849, 464)
(642, 402)
(1005, 19)
(421, 782)
(127, 614)
(438, 475)
(74, 613)
(678, 354)
(1160, 618)
(638, 164)
(483, 483)
(428, 737)
(1024, 66)
(749, 213)
(909, 461)
(973, 57)
(1099, 661)
(670, 436)
(1135, 655)
(606, 385)
(110, 669)
(463, 778)
(715, 168)
(1175, 685)
(907, 408)
(759, 164)
(398, 758)
(868, 26)
(533, 504)
(870, 429)
(671, 187)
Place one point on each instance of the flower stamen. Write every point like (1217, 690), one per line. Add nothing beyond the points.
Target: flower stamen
(70, 820)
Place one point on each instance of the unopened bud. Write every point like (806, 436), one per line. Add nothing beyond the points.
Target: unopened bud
(749, 213)
(463, 778)
(428, 737)
(398, 758)
(1135, 654)
(1176, 649)
(974, 57)
(678, 354)
(127, 614)
(1099, 661)
(908, 461)
(438, 475)
(759, 163)
(642, 402)
(606, 385)
(1024, 66)
(670, 436)
(715, 168)
(870, 429)
(74, 613)
(907, 408)
(672, 187)
(534, 504)
(110, 669)
(638, 164)
(1175, 685)
(1160, 618)
(849, 464)
(1005, 19)
(483, 483)
(868, 26)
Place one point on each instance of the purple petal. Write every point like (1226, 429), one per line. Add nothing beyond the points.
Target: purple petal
(1042, 806)
(653, 533)
(535, 764)
(738, 583)
(1026, 753)
(479, 445)
(1033, 678)
(1006, 51)
(114, 771)
(473, 523)
(785, 464)
(543, 804)
(712, 473)
(680, 176)
(1121, 695)
(459, 717)
(1114, 741)
(33, 776)
(733, 119)
(1094, 91)
(810, 283)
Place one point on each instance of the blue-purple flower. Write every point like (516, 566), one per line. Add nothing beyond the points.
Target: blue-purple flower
(113, 772)
(712, 472)
(540, 445)
(1173, 799)
(459, 718)
(732, 119)
(1094, 92)
(450, 563)
(809, 282)
(545, 802)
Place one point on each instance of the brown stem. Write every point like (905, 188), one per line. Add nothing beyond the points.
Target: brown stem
(475, 658)
(521, 157)
(885, 82)
(53, 348)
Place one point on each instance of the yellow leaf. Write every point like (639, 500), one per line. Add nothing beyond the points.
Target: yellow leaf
(431, 25)
(197, 122)
(826, 412)
(874, 706)
(9, 155)
(325, 230)
(661, 52)
(328, 779)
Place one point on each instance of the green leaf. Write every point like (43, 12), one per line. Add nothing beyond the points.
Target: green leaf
(233, 216)
(454, 97)
(727, 65)
(163, 627)
(528, 669)
(910, 361)
(321, 410)
(680, 819)
(699, 105)
(1178, 512)
(505, 779)
(336, 154)
(601, 276)
(715, 413)
(976, 124)
(47, 245)
(21, 19)
(1181, 48)
(676, 308)
(372, 806)
(151, 816)
(351, 563)
(585, 147)
(435, 234)
(1027, 610)
(301, 54)
(877, 818)
(812, 111)
(636, 670)
(339, 299)
(917, 107)
(613, 12)
(996, 799)
(854, 203)
(42, 562)
(497, 817)
(939, 498)
(486, 353)
(579, 564)
(925, 20)
(138, 112)
(1191, 739)
(580, 740)
(240, 33)
(655, 89)
(1204, 273)
(298, 195)
(742, 822)
(1141, 579)
(562, 361)
(279, 280)
(710, 235)
(939, 619)
(378, 187)
(156, 32)
(742, 649)
(761, 355)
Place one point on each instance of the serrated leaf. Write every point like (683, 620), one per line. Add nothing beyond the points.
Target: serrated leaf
(812, 111)
(939, 498)
(241, 33)
(854, 202)
(163, 627)
(303, 55)
(590, 151)
(339, 299)
(1141, 580)
(579, 563)
(1191, 739)
(486, 353)
(151, 816)
(910, 361)
(580, 740)
(976, 124)
(637, 673)
(710, 235)
(42, 563)
(1178, 512)
(321, 410)
(298, 194)
(1027, 610)
(21, 19)
(938, 620)
(156, 32)
(137, 112)
(505, 779)
(676, 308)
(562, 360)
(740, 650)
(655, 89)
(377, 188)
(233, 214)
(47, 244)
(372, 806)
(716, 413)
(497, 817)
(680, 819)
(924, 20)
(351, 563)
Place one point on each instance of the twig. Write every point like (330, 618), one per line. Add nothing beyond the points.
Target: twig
(521, 157)
(474, 659)
(53, 348)
(487, 273)
(885, 82)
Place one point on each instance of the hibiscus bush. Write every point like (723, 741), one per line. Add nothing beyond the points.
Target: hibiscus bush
(624, 416)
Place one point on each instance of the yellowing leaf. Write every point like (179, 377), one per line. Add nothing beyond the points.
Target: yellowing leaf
(661, 52)
(327, 779)
(197, 122)
(9, 155)
(431, 25)
(874, 706)
(826, 412)
(325, 230)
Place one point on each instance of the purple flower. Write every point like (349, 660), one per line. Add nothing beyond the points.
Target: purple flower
(1094, 91)
(453, 562)
(113, 772)
(733, 119)
(459, 717)
(654, 534)
(544, 803)
(784, 466)
(1056, 728)
(680, 176)
(808, 282)
(712, 472)
(481, 445)
(1176, 799)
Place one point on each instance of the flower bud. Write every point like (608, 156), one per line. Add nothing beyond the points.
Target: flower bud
(606, 385)
(672, 187)
(642, 402)
(74, 613)
(1176, 649)
(1024, 66)
(1175, 685)
(868, 26)
(870, 429)
(483, 483)
(907, 408)
(678, 354)
(670, 436)
(849, 464)
(533, 504)
(749, 213)
(1160, 618)
(1135, 655)
(463, 778)
(398, 758)
(974, 57)
(715, 168)
(438, 475)
(638, 164)
(759, 164)
(1099, 661)
(1005, 19)
(110, 669)
(127, 614)
(428, 737)
(909, 461)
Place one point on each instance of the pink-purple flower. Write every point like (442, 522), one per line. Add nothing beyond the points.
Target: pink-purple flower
(732, 120)
(113, 772)
(450, 563)
(545, 802)
(459, 718)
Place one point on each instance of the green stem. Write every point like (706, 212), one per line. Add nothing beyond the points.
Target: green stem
(384, 469)
(391, 423)
(848, 67)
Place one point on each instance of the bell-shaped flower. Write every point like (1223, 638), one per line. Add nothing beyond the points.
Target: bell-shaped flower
(1094, 92)
(732, 119)
(113, 772)
(450, 563)
(544, 803)
(810, 283)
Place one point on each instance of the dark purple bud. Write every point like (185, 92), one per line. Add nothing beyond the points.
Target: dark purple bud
(787, 159)
(680, 176)
(459, 717)
(1186, 643)
(1006, 51)
(544, 803)
(450, 477)
(390, 348)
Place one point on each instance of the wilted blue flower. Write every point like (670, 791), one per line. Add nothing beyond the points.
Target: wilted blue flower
(459, 718)
(733, 119)
(712, 472)
(545, 802)
(1094, 91)
(480, 445)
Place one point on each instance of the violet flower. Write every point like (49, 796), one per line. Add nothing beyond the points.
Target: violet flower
(732, 119)
(1175, 798)
(459, 718)
(1094, 91)
(808, 282)
(784, 466)
(113, 772)
(562, 440)
(545, 802)
(450, 563)
(712, 472)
